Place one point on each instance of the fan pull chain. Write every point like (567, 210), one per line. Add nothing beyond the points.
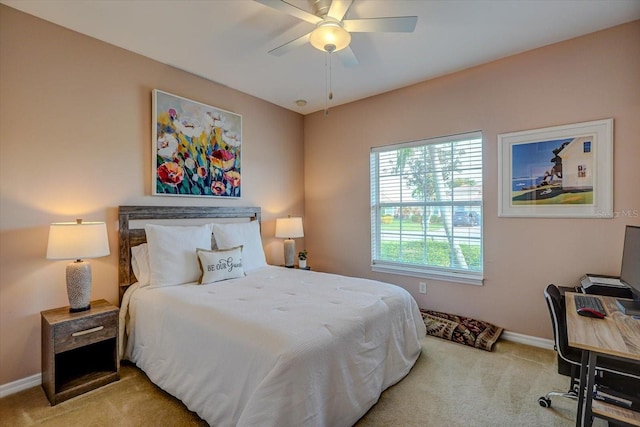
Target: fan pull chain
(327, 81)
(329, 48)
(330, 71)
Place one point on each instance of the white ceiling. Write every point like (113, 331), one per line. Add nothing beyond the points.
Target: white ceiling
(227, 41)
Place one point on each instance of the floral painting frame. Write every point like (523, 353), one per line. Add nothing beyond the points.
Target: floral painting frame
(196, 149)
(558, 172)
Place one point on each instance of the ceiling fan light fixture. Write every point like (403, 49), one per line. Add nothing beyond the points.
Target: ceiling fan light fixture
(329, 36)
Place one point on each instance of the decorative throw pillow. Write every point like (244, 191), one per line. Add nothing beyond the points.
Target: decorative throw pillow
(245, 234)
(220, 264)
(172, 253)
(140, 264)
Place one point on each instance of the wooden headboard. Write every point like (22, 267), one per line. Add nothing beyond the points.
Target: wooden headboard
(131, 237)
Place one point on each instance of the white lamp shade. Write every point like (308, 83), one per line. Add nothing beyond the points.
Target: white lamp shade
(289, 228)
(77, 240)
(331, 34)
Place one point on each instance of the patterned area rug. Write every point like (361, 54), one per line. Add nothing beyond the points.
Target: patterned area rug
(463, 330)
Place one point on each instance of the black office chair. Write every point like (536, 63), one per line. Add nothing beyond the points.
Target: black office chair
(609, 371)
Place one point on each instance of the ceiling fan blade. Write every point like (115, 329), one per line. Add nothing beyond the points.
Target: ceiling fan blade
(347, 57)
(397, 24)
(289, 46)
(292, 10)
(339, 8)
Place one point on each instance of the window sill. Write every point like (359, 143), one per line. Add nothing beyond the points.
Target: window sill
(466, 279)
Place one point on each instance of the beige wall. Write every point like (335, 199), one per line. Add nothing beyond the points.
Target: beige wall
(75, 141)
(588, 78)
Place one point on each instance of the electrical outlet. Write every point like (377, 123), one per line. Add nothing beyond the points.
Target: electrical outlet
(423, 287)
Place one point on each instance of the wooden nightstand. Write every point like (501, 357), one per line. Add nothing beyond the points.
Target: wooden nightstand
(79, 350)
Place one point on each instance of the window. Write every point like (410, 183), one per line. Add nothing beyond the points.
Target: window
(426, 208)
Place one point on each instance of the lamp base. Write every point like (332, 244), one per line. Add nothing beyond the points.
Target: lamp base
(289, 253)
(79, 285)
(75, 310)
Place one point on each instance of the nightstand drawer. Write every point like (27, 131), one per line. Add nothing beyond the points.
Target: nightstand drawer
(70, 335)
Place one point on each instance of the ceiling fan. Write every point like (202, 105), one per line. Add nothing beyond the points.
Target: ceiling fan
(332, 32)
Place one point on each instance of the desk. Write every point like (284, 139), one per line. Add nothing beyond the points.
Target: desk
(617, 335)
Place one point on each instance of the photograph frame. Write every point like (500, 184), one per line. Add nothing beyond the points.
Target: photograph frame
(196, 149)
(557, 172)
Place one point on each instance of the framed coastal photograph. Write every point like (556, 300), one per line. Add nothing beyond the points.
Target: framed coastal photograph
(196, 149)
(560, 172)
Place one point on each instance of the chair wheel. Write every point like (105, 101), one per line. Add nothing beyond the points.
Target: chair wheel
(544, 402)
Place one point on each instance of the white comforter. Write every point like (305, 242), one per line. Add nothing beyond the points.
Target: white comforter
(279, 347)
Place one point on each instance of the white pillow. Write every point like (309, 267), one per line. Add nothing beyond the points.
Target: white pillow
(140, 264)
(245, 234)
(172, 253)
(220, 265)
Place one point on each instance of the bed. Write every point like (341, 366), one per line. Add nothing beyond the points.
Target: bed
(268, 346)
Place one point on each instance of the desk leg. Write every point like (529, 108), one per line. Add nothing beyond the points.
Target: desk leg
(581, 386)
(591, 377)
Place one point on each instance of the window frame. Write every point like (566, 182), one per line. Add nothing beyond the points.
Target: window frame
(458, 275)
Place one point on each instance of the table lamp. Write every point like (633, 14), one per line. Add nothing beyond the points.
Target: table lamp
(289, 228)
(78, 240)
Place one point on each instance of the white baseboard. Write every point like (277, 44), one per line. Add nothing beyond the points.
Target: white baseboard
(19, 385)
(528, 340)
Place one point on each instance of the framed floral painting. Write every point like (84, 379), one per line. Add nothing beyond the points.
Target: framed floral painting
(196, 149)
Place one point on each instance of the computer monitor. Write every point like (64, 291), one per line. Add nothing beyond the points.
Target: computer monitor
(630, 270)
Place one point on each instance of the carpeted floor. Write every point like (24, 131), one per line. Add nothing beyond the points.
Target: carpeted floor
(451, 385)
